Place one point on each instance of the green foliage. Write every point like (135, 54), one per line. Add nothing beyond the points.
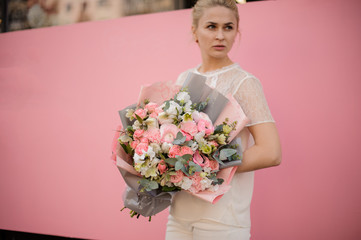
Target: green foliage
(201, 106)
(226, 152)
(127, 148)
(170, 189)
(130, 130)
(180, 139)
(148, 185)
(171, 161)
(218, 129)
(140, 120)
(167, 105)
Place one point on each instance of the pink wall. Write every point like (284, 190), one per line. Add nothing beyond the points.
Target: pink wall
(61, 87)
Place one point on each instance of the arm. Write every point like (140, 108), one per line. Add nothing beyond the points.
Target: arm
(266, 152)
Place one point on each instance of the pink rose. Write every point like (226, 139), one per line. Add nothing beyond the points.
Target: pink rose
(168, 132)
(141, 148)
(188, 136)
(214, 165)
(177, 178)
(174, 151)
(189, 127)
(196, 183)
(150, 107)
(202, 161)
(186, 150)
(153, 115)
(153, 135)
(205, 126)
(200, 115)
(138, 133)
(134, 144)
(144, 140)
(162, 167)
(158, 110)
(142, 113)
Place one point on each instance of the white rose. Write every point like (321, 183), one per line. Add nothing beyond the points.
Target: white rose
(183, 97)
(213, 188)
(187, 107)
(136, 125)
(166, 146)
(130, 113)
(150, 153)
(186, 183)
(138, 159)
(206, 183)
(125, 138)
(164, 118)
(196, 116)
(152, 123)
(194, 146)
(156, 147)
(154, 161)
(199, 138)
(172, 110)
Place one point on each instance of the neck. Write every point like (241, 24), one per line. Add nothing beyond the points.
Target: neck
(214, 64)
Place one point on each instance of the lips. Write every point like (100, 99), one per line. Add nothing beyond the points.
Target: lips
(219, 47)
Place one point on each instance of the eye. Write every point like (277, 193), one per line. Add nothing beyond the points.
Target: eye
(211, 26)
(229, 27)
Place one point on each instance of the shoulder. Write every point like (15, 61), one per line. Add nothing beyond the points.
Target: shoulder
(244, 79)
(243, 75)
(182, 76)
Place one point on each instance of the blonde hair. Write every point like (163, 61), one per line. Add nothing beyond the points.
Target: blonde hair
(201, 5)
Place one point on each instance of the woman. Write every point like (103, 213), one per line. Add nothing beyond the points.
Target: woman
(214, 28)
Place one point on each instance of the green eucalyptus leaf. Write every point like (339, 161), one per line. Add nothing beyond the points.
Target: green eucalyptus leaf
(216, 157)
(196, 167)
(144, 182)
(218, 129)
(189, 143)
(153, 185)
(171, 161)
(178, 165)
(201, 106)
(185, 170)
(226, 152)
(180, 139)
(167, 105)
(187, 157)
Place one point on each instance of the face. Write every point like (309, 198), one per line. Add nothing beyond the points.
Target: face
(216, 32)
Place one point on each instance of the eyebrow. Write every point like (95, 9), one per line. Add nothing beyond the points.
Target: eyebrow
(229, 23)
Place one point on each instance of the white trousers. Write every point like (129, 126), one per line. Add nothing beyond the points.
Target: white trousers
(203, 230)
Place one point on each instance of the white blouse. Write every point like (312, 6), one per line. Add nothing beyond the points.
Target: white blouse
(234, 207)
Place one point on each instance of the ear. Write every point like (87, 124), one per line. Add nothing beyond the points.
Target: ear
(194, 34)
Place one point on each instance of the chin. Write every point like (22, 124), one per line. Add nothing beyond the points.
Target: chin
(219, 56)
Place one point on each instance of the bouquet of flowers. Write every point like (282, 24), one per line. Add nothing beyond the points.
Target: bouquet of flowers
(167, 144)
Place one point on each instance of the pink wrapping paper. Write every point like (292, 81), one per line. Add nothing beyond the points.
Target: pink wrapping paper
(158, 92)
(162, 91)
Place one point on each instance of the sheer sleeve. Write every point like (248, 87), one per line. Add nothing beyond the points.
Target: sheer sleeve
(181, 78)
(253, 102)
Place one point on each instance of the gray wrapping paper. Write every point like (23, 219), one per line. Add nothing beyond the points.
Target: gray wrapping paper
(226, 164)
(150, 203)
(144, 203)
(199, 91)
(125, 121)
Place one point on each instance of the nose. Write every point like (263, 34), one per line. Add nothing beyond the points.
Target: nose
(220, 35)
